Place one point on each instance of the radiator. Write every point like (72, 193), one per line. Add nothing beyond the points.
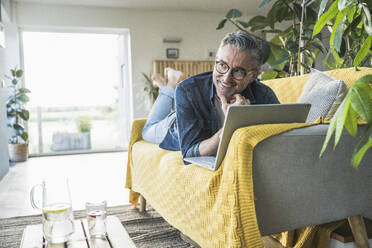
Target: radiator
(189, 68)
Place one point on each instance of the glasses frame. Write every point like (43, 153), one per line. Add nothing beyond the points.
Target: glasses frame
(232, 70)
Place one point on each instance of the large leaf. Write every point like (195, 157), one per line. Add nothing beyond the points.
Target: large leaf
(23, 98)
(19, 73)
(257, 23)
(341, 113)
(221, 24)
(18, 127)
(336, 43)
(244, 24)
(322, 6)
(339, 19)
(367, 79)
(367, 19)
(353, 25)
(233, 13)
(24, 90)
(268, 75)
(263, 3)
(345, 3)
(351, 122)
(362, 53)
(358, 155)
(283, 58)
(24, 114)
(275, 54)
(330, 131)
(327, 16)
(25, 136)
(361, 102)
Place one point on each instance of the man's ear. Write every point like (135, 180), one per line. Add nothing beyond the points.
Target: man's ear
(256, 74)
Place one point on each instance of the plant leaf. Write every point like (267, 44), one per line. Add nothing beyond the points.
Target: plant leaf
(338, 35)
(322, 7)
(221, 24)
(367, 79)
(257, 22)
(344, 3)
(267, 75)
(351, 122)
(324, 18)
(25, 114)
(24, 90)
(330, 131)
(341, 113)
(362, 53)
(233, 13)
(361, 102)
(358, 156)
(244, 24)
(339, 19)
(263, 3)
(18, 127)
(19, 73)
(25, 136)
(23, 98)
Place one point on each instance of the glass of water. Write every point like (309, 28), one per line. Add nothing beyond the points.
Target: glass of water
(96, 217)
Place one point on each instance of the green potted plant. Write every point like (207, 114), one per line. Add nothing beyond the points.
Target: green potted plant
(80, 140)
(350, 22)
(149, 88)
(17, 116)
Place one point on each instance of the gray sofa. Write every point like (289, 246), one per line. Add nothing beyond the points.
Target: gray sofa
(294, 188)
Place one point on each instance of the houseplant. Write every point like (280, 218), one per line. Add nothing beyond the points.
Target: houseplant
(150, 89)
(283, 49)
(17, 116)
(80, 140)
(351, 18)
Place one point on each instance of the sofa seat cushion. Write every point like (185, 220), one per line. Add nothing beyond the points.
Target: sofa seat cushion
(324, 93)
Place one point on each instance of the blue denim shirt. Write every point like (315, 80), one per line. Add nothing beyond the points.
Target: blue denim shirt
(196, 116)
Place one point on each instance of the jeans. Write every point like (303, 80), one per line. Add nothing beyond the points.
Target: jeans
(160, 117)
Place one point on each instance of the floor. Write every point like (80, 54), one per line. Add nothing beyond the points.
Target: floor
(94, 177)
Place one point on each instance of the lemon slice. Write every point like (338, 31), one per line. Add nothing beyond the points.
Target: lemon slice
(55, 209)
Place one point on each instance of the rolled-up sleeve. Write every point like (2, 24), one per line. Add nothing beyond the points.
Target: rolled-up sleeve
(189, 126)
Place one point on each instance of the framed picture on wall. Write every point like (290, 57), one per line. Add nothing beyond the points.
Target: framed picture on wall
(172, 53)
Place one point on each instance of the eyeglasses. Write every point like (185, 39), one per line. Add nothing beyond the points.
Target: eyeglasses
(237, 73)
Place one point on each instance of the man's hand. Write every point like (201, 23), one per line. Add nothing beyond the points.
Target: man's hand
(236, 99)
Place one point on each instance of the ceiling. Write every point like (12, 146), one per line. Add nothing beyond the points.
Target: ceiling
(249, 7)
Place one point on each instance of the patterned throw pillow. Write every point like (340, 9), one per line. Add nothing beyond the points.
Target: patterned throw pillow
(325, 94)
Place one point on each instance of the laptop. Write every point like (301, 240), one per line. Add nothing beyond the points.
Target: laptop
(247, 115)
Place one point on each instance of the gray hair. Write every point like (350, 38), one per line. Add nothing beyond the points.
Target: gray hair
(245, 42)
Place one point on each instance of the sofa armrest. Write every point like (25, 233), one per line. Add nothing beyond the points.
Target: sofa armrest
(295, 188)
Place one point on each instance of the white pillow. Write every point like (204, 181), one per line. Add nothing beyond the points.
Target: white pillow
(325, 94)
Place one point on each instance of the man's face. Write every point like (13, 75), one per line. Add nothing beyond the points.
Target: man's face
(240, 71)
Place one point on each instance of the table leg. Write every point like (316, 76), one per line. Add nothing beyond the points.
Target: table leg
(142, 204)
(358, 229)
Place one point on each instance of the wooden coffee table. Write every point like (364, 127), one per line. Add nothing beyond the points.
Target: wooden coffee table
(117, 236)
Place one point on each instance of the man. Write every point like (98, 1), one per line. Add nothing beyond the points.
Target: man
(201, 101)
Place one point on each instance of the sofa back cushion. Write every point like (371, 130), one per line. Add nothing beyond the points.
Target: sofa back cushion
(288, 90)
(325, 94)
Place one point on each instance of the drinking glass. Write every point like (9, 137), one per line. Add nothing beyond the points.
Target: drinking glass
(96, 217)
(57, 216)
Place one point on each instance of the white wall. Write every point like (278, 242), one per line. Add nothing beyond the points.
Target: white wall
(147, 30)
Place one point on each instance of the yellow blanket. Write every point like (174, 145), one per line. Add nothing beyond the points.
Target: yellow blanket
(214, 208)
